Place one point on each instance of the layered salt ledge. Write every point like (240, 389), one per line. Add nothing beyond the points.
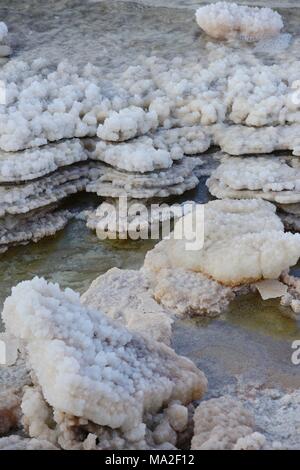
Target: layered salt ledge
(180, 177)
(272, 178)
(223, 20)
(46, 104)
(31, 227)
(105, 387)
(5, 49)
(239, 140)
(134, 218)
(35, 163)
(224, 424)
(23, 198)
(247, 235)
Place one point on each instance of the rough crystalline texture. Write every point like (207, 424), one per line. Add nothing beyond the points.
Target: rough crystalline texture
(42, 192)
(127, 123)
(31, 227)
(246, 235)
(224, 20)
(15, 442)
(175, 181)
(239, 140)
(292, 297)
(125, 296)
(137, 156)
(224, 424)
(46, 104)
(97, 377)
(114, 219)
(272, 178)
(35, 163)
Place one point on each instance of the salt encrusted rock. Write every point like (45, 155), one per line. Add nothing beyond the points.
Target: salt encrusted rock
(224, 424)
(272, 178)
(127, 123)
(190, 293)
(292, 297)
(125, 296)
(239, 140)
(135, 218)
(223, 20)
(96, 376)
(247, 235)
(174, 181)
(35, 163)
(31, 227)
(15, 442)
(23, 198)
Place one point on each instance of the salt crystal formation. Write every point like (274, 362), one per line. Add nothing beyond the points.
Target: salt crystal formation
(223, 20)
(35, 163)
(272, 178)
(248, 237)
(15, 442)
(175, 181)
(105, 387)
(112, 293)
(224, 424)
(33, 226)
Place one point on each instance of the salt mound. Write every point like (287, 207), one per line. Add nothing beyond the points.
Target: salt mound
(246, 235)
(224, 424)
(224, 20)
(272, 178)
(97, 377)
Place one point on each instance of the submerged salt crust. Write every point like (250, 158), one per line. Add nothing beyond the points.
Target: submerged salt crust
(93, 368)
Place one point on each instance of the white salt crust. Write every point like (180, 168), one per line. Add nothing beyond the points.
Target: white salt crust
(173, 181)
(224, 20)
(32, 164)
(46, 105)
(224, 424)
(93, 375)
(32, 228)
(248, 237)
(272, 178)
(125, 296)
